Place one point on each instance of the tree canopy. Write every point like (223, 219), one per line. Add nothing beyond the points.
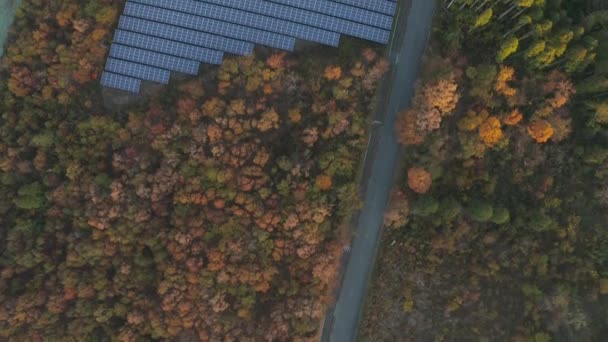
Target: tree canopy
(212, 212)
(508, 241)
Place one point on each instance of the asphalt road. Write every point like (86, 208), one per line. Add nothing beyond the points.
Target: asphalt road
(405, 52)
(7, 14)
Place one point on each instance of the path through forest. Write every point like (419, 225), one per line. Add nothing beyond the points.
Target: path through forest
(413, 25)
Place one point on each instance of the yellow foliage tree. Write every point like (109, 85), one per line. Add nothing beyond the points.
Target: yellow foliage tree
(472, 120)
(295, 115)
(98, 34)
(213, 107)
(442, 95)
(505, 75)
(269, 120)
(107, 15)
(484, 18)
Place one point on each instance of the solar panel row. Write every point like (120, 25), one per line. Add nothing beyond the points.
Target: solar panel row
(198, 38)
(308, 17)
(120, 82)
(155, 59)
(140, 71)
(385, 7)
(342, 11)
(213, 26)
(156, 37)
(236, 16)
(168, 47)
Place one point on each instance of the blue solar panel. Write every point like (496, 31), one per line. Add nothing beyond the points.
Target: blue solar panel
(168, 47)
(210, 25)
(158, 60)
(143, 72)
(380, 6)
(159, 36)
(342, 11)
(112, 80)
(249, 19)
(185, 35)
(309, 18)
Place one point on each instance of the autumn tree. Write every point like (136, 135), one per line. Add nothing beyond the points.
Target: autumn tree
(323, 182)
(492, 157)
(219, 198)
(541, 131)
(513, 117)
(507, 48)
(433, 101)
(490, 131)
(332, 73)
(441, 94)
(407, 134)
(505, 75)
(472, 120)
(419, 180)
(398, 209)
(484, 18)
(600, 112)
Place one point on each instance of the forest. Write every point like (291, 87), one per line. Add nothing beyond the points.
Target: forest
(497, 229)
(214, 210)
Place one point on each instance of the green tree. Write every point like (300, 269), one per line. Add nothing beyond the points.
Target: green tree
(500, 215)
(480, 211)
(601, 112)
(540, 221)
(592, 85)
(425, 206)
(30, 196)
(482, 80)
(449, 209)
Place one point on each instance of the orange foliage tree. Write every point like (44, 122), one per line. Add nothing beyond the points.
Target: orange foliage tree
(559, 90)
(332, 73)
(398, 209)
(323, 182)
(419, 180)
(187, 216)
(513, 118)
(540, 130)
(490, 131)
(432, 101)
(405, 126)
(276, 60)
(55, 64)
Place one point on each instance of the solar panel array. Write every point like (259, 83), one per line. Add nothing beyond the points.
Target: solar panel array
(157, 37)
